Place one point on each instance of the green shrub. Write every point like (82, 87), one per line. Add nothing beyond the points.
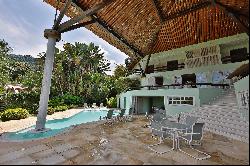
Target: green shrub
(14, 114)
(56, 101)
(66, 99)
(50, 111)
(72, 106)
(112, 102)
(60, 108)
(72, 100)
(26, 100)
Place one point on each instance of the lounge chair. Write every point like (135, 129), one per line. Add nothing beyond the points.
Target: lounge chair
(121, 116)
(94, 105)
(101, 105)
(195, 135)
(109, 117)
(85, 105)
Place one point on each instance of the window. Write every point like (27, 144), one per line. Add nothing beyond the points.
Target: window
(172, 65)
(180, 100)
(159, 80)
(238, 55)
(150, 69)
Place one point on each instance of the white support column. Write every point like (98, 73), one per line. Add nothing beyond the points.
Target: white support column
(52, 36)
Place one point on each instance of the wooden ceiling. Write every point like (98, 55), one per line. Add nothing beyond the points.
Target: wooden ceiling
(143, 27)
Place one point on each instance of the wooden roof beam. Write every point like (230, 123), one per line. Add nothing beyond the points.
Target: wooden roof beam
(156, 6)
(193, 8)
(234, 16)
(62, 13)
(79, 25)
(95, 19)
(84, 14)
(114, 33)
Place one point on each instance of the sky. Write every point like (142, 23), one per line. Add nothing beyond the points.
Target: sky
(22, 23)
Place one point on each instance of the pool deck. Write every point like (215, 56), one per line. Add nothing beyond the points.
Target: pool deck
(16, 125)
(120, 143)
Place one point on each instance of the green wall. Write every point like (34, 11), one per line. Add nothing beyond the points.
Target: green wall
(207, 94)
(201, 96)
(242, 85)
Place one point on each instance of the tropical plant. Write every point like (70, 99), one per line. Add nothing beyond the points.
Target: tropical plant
(50, 111)
(27, 100)
(120, 71)
(112, 102)
(14, 114)
(60, 108)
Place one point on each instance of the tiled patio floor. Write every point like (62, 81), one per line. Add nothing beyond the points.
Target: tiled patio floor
(121, 143)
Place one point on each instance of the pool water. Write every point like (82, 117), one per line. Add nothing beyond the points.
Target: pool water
(59, 125)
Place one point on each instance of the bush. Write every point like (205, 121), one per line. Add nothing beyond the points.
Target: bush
(112, 102)
(14, 114)
(56, 101)
(66, 99)
(60, 108)
(72, 106)
(26, 100)
(50, 111)
(72, 100)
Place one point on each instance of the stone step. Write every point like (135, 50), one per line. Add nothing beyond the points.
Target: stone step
(228, 130)
(221, 106)
(239, 126)
(217, 115)
(220, 111)
(222, 120)
(228, 135)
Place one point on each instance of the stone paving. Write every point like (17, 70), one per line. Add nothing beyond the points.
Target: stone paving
(120, 143)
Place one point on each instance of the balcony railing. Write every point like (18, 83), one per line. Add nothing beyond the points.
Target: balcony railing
(179, 86)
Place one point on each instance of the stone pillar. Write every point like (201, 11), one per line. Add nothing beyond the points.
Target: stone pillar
(52, 36)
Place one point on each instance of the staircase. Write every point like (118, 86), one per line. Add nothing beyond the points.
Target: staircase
(222, 117)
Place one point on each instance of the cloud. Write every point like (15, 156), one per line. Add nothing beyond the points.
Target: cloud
(23, 23)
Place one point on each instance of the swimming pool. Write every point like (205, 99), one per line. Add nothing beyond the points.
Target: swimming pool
(59, 125)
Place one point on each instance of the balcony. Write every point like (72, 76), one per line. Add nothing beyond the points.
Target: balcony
(179, 86)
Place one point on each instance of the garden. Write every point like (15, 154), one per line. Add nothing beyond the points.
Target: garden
(78, 77)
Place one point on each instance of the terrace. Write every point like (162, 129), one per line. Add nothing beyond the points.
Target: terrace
(164, 39)
(122, 143)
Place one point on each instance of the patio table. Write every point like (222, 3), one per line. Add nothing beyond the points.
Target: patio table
(176, 128)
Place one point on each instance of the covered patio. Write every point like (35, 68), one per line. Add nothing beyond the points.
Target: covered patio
(138, 28)
(122, 143)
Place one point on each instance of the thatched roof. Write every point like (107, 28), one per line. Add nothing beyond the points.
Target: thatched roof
(142, 27)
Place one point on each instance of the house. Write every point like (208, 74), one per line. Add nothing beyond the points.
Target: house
(183, 79)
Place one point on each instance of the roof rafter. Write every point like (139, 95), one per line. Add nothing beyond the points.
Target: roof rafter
(155, 4)
(79, 25)
(85, 14)
(95, 19)
(234, 16)
(193, 8)
(114, 33)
